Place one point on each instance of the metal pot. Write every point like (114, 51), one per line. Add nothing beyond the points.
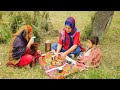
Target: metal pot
(47, 46)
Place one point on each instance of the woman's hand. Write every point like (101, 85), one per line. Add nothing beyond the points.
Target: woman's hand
(63, 56)
(31, 41)
(39, 52)
(56, 54)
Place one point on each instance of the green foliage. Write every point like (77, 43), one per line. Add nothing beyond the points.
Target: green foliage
(15, 23)
(5, 33)
(36, 24)
(13, 20)
(87, 30)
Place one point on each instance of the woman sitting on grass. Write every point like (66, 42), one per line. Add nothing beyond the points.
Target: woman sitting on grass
(23, 51)
(69, 39)
(92, 56)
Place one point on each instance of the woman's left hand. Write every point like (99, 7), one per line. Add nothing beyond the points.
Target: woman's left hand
(39, 52)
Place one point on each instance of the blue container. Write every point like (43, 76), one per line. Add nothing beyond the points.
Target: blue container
(69, 62)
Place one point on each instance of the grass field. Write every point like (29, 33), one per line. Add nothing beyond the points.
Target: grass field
(110, 47)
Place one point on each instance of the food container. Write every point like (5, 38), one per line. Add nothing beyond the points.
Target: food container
(47, 46)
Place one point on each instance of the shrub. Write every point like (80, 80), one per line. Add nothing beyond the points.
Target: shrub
(87, 30)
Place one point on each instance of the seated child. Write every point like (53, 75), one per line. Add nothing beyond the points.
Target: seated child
(92, 56)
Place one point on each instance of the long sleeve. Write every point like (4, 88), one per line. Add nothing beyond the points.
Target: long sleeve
(94, 58)
(77, 39)
(86, 58)
(28, 51)
(60, 40)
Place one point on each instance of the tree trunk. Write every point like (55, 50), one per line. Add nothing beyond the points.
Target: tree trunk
(101, 23)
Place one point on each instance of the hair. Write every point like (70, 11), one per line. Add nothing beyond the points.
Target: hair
(26, 28)
(94, 40)
(29, 28)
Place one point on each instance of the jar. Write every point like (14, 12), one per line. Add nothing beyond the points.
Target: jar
(47, 46)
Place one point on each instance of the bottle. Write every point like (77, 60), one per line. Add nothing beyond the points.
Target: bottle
(53, 56)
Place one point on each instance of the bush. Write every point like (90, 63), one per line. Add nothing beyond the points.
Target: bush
(5, 33)
(15, 23)
(87, 30)
(13, 20)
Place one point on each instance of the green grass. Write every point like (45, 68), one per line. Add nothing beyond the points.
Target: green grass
(110, 47)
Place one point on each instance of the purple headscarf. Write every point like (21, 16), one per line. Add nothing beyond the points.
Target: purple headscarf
(70, 21)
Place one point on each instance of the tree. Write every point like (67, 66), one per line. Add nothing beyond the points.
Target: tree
(101, 23)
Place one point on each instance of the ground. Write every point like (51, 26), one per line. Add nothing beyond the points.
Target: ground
(110, 47)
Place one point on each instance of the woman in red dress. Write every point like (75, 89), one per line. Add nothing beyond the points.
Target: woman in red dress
(22, 48)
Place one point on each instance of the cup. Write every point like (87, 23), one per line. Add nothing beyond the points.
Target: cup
(53, 56)
(35, 39)
(60, 69)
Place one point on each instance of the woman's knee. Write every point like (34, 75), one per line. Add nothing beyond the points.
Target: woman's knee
(78, 49)
(29, 57)
(54, 46)
(25, 60)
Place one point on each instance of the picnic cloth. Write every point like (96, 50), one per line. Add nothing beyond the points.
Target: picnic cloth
(51, 66)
